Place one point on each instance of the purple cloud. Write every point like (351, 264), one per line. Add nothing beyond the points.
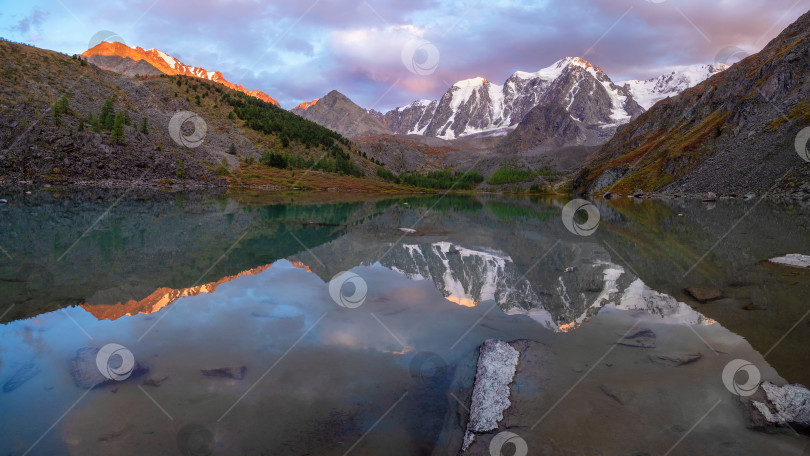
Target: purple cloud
(297, 51)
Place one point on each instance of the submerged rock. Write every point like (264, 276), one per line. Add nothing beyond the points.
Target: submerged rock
(85, 373)
(679, 359)
(755, 306)
(621, 396)
(641, 339)
(21, 376)
(233, 373)
(793, 260)
(704, 294)
(497, 363)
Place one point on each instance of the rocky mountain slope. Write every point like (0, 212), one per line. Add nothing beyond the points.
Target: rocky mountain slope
(650, 91)
(52, 125)
(131, 61)
(476, 105)
(336, 112)
(733, 133)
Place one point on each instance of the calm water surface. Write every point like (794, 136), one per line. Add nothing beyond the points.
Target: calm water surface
(242, 347)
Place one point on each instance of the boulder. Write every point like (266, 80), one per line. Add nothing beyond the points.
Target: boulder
(710, 197)
(638, 194)
(497, 363)
(775, 408)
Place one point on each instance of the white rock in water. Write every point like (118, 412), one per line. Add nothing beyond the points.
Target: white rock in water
(407, 230)
(794, 260)
(791, 404)
(497, 363)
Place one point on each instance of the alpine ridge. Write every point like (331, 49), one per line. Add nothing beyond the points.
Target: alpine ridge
(476, 106)
(120, 58)
(650, 91)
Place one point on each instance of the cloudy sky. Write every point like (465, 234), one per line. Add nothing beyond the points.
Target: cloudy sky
(386, 53)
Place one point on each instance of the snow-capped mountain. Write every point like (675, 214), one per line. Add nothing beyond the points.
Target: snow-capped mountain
(128, 60)
(476, 105)
(468, 277)
(465, 276)
(651, 91)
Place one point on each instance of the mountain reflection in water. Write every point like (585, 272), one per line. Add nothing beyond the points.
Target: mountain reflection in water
(226, 283)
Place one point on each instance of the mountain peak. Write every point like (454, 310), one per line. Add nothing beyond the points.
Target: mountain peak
(579, 62)
(337, 112)
(165, 64)
(307, 104)
(469, 83)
